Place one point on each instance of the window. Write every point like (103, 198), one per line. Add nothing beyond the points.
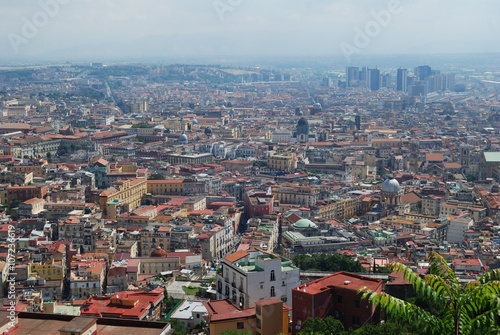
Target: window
(240, 325)
(339, 298)
(283, 283)
(356, 303)
(273, 276)
(273, 293)
(355, 320)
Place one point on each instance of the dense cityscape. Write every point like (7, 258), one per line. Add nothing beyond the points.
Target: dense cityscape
(217, 198)
(232, 167)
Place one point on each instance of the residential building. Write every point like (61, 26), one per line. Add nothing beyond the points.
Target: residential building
(335, 295)
(268, 317)
(457, 229)
(249, 276)
(138, 305)
(125, 194)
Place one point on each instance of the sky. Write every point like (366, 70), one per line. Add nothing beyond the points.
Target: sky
(103, 30)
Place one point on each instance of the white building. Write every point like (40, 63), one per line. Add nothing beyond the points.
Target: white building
(281, 136)
(223, 234)
(457, 228)
(190, 313)
(249, 276)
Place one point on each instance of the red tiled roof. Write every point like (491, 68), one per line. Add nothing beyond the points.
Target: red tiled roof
(222, 310)
(344, 280)
(236, 256)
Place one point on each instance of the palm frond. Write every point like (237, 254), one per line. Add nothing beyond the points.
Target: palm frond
(439, 267)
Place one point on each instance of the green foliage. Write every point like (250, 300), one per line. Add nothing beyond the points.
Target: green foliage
(386, 328)
(327, 262)
(169, 303)
(142, 125)
(119, 71)
(445, 306)
(157, 176)
(381, 269)
(382, 172)
(329, 325)
(237, 332)
(471, 177)
(178, 327)
(190, 290)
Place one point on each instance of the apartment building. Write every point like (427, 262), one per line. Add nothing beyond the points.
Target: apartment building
(249, 276)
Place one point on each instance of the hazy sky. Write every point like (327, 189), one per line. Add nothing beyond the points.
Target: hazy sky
(122, 29)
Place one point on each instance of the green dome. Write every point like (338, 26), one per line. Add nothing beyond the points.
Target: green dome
(304, 223)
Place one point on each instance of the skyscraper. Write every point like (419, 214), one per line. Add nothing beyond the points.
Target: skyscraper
(352, 76)
(373, 79)
(402, 80)
(385, 80)
(422, 72)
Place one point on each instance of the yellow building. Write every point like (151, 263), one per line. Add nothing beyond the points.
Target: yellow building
(124, 193)
(4, 194)
(189, 159)
(36, 169)
(155, 265)
(226, 132)
(177, 125)
(358, 171)
(127, 168)
(346, 208)
(268, 317)
(300, 195)
(336, 208)
(49, 271)
(195, 204)
(283, 163)
(166, 187)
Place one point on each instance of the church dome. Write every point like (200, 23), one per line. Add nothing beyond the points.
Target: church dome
(208, 131)
(194, 120)
(183, 138)
(302, 122)
(304, 223)
(158, 252)
(390, 185)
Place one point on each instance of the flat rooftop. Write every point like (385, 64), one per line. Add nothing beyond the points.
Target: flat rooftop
(49, 324)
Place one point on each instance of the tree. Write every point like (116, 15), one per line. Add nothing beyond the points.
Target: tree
(450, 308)
(471, 177)
(156, 176)
(327, 262)
(329, 325)
(178, 327)
(235, 332)
(386, 328)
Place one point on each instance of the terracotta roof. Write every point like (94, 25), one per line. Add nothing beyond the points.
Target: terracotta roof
(411, 198)
(434, 157)
(222, 310)
(236, 256)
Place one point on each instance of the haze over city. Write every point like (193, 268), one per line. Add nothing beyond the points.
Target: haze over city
(229, 30)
